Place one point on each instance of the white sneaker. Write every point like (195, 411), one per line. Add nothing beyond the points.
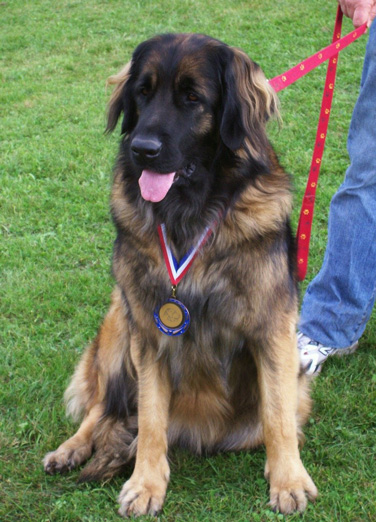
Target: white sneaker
(313, 354)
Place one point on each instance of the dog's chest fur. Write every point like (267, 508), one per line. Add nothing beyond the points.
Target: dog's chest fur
(222, 294)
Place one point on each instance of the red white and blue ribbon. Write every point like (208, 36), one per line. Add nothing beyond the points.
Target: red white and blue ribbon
(178, 269)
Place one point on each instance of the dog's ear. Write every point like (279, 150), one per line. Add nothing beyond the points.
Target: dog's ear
(249, 102)
(121, 101)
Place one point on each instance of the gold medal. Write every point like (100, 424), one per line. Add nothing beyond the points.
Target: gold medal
(172, 318)
(171, 315)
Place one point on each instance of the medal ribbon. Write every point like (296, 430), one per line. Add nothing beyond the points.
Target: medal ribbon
(177, 270)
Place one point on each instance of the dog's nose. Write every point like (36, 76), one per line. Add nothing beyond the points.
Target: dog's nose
(146, 147)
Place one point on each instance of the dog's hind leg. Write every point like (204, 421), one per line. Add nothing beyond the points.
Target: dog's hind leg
(83, 402)
(87, 394)
(76, 449)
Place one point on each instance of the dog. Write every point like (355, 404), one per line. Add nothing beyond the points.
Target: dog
(209, 363)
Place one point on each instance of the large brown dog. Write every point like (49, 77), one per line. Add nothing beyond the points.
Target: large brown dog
(194, 154)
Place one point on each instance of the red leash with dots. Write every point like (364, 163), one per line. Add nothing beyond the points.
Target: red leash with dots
(284, 80)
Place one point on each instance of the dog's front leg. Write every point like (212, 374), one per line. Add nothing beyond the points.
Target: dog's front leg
(277, 365)
(145, 491)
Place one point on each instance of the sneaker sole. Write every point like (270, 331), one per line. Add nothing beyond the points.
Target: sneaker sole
(340, 352)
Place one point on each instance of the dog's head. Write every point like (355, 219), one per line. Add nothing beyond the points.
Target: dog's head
(190, 104)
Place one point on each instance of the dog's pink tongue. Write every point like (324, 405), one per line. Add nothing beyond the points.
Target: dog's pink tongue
(154, 186)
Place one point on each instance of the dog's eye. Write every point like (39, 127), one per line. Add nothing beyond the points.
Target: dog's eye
(144, 91)
(192, 97)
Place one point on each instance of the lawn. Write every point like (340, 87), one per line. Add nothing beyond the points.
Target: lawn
(56, 242)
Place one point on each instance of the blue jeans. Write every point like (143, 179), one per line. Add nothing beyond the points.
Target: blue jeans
(339, 300)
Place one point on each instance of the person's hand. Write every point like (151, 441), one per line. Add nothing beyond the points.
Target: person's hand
(360, 11)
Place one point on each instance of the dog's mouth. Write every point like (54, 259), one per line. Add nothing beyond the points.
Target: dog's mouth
(154, 186)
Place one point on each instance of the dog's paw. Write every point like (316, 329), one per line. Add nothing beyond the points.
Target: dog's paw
(289, 493)
(143, 495)
(67, 457)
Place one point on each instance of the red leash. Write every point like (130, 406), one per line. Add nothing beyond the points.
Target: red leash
(280, 82)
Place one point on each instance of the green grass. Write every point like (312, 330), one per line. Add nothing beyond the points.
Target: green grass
(56, 236)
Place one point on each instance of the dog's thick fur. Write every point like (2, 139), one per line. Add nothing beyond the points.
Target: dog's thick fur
(231, 382)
